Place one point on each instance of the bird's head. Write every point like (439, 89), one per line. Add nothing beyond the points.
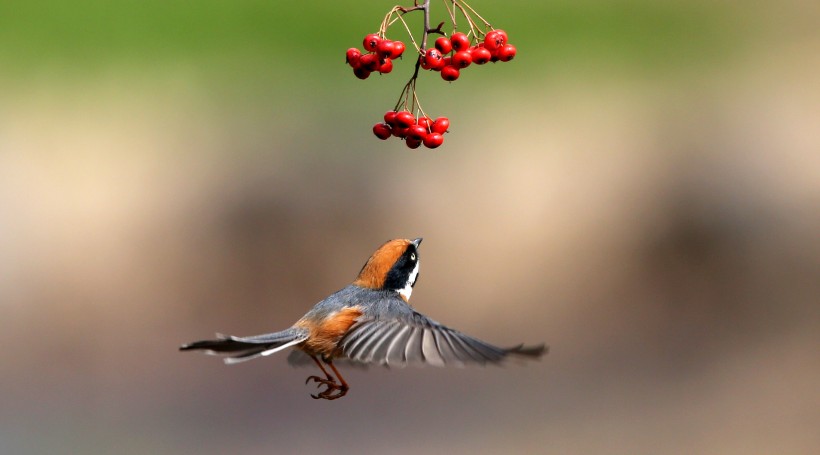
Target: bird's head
(394, 266)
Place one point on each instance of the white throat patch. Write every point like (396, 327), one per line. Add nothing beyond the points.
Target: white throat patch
(411, 280)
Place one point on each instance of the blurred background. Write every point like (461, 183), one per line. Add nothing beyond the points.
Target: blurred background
(639, 189)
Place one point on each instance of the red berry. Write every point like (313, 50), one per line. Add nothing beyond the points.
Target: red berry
(462, 59)
(433, 59)
(399, 132)
(480, 55)
(370, 62)
(361, 73)
(426, 122)
(371, 42)
(398, 49)
(433, 140)
(505, 53)
(352, 57)
(502, 35)
(440, 125)
(416, 132)
(423, 60)
(405, 119)
(382, 131)
(390, 117)
(444, 45)
(495, 39)
(460, 41)
(386, 66)
(385, 48)
(449, 73)
(412, 143)
(446, 61)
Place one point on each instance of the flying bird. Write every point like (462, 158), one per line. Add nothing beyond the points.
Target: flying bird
(368, 322)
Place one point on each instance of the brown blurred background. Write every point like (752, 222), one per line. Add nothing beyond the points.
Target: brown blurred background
(639, 189)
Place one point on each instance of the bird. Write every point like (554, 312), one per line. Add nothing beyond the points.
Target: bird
(368, 322)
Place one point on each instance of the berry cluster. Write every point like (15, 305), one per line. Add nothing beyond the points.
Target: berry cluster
(379, 57)
(479, 44)
(414, 131)
(451, 55)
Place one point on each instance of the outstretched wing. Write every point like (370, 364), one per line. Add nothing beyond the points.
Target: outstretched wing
(420, 340)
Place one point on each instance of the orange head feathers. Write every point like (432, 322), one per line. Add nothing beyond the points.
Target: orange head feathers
(394, 266)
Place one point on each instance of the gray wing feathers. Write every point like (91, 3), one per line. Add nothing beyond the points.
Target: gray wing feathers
(395, 355)
(432, 355)
(418, 340)
(365, 344)
(412, 350)
(382, 343)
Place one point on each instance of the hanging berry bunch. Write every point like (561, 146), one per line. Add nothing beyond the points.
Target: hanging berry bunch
(449, 55)
(379, 57)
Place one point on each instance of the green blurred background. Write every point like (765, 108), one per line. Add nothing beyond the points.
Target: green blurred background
(639, 188)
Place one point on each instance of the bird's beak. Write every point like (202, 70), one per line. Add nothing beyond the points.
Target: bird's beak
(417, 242)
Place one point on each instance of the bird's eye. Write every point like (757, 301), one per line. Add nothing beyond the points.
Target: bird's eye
(412, 256)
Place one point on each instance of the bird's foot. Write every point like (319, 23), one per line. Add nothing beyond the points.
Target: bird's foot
(333, 391)
(328, 382)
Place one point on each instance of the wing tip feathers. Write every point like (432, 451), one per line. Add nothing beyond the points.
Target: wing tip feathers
(535, 351)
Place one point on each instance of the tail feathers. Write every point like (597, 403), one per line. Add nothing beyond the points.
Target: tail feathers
(265, 350)
(240, 349)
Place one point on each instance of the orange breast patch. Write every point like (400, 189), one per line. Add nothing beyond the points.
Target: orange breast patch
(325, 335)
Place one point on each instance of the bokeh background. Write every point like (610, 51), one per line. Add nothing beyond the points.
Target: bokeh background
(639, 189)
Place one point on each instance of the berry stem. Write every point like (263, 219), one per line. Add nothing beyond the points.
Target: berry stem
(452, 13)
(470, 22)
(418, 104)
(408, 99)
(461, 3)
(418, 49)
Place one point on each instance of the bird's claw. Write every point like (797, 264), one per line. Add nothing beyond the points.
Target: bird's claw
(328, 382)
(329, 395)
(333, 391)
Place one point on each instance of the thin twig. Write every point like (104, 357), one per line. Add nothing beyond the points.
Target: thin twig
(426, 8)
